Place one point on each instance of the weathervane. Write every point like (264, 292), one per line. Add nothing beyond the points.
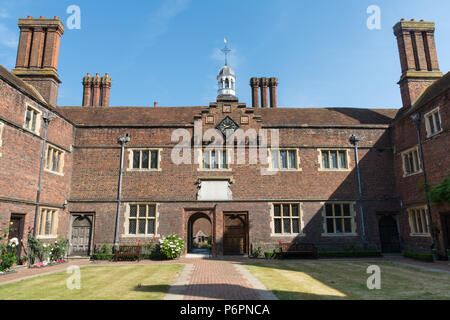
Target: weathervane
(226, 51)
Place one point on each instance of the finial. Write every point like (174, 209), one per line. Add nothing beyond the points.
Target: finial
(226, 51)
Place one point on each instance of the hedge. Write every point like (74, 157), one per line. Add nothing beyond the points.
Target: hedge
(349, 254)
(427, 257)
(103, 256)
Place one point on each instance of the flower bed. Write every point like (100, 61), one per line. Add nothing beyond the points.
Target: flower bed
(9, 271)
(44, 264)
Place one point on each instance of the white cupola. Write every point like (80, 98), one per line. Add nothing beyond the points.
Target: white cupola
(226, 82)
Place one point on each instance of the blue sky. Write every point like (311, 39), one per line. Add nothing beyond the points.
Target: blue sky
(169, 51)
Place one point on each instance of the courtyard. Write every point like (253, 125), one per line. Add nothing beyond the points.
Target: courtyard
(231, 279)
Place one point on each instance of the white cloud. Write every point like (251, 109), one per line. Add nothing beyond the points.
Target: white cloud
(3, 14)
(7, 37)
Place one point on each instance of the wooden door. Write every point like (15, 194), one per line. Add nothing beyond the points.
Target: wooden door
(446, 227)
(235, 234)
(16, 231)
(81, 236)
(389, 237)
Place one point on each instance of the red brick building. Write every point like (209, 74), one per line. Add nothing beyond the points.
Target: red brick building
(304, 187)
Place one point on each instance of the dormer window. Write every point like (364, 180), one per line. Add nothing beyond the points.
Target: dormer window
(433, 122)
(32, 119)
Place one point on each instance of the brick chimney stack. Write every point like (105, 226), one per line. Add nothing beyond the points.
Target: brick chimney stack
(254, 83)
(96, 90)
(273, 83)
(418, 58)
(264, 83)
(37, 55)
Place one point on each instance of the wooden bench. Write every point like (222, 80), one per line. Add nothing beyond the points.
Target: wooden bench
(129, 251)
(292, 248)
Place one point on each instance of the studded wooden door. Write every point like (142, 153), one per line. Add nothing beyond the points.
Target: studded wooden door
(389, 237)
(81, 236)
(235, 234)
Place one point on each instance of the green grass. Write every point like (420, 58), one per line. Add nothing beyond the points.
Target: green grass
(145, 282)
(347, 281)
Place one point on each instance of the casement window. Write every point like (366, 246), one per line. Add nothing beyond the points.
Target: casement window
(411, 162)
(418, 221)
(32, 119)
(284, 159)
(339, 219)
(54, 159)
(48, 222)
(145, 159)
(142, 219)
(334, 159)
(214, 159)
(433, 122)
(287, 219)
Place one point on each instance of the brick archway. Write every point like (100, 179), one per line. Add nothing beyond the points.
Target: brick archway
(190, 215)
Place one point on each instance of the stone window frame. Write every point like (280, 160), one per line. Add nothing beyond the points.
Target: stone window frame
(220, 151)
(38, 118)
(281, 149)
(149, 169)
(416, 161)
(347, 154)
(42, 224)
(126, 224)
(414, 221)
(61, 152)
(2, 128)
(430, 117)
(272, 219)
(352, 216)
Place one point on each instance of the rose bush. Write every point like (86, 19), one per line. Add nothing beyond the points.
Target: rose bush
(171, 246)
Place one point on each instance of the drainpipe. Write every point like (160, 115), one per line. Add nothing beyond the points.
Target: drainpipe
(354, 141)
(47, 118)
(123, 141)
(417, 120)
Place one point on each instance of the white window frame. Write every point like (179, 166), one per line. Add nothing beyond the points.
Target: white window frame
(42, 223)
(220, 152)
(279, 150)
(48, 168)
(301, 223)
(418, 164)
(149, 169)
(414, 221)
(430, 116)
(126, 226)
(347, 159)
(38, 117)
(334, 217)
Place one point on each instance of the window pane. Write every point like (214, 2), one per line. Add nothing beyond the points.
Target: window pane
(42, 224)
(413, 216)
(431, 122)
(136, 159)
(334, 162)
(292, 157)
(133, 211)
(154, 164)
(286, 225)
(347, 225)
(419, 222)
(151, 226)
(295, 226)
(407, 167)
(286, 210)
(325, 160)
(224, 160)
(330, 226)
(206, 163)
(275, 159)
(33, 120)
(339, 226)
(416, 159)
(49, 160)
(295, 210)
(277, 210)
(55, 160)
(142, 226)
(346, 210)
(411, 163)
(329, 210)
(48, 222)
(215, 160)
(151, 211)
(132, 226)
(283, 156)
(142, 211)
(342, 160)
(145, 159)
(28, 119)
(277, 225)
(437, 121)
(337, 210)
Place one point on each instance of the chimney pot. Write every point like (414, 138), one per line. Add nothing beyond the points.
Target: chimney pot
(30, 17)
(42, 17)
(155, 104)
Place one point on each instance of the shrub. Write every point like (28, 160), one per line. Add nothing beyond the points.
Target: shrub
(8, 252)
(104, 249)
(349, 254)
(172, 246)
(269, 254)
(103, 256)
(427, 257)
(257, 252)
(58, 250)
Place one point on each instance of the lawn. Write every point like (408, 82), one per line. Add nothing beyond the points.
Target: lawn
(144, 282)
(347, 280)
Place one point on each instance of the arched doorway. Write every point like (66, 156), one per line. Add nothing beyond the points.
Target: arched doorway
(81, 236)
(389, 235)
(235, 234)
(199, 234)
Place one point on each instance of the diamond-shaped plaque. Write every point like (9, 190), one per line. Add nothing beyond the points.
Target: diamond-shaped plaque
(227, 126)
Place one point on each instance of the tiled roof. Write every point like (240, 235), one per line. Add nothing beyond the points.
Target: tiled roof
(436, 89)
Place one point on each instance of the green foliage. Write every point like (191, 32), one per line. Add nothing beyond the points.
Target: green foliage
(427, 257)
(58, 250)
(105, 249)
(269, 254)
(172, 246)
(257, 252)
(440, 194)
(103, 256)
(349, 254)
(8, 253)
